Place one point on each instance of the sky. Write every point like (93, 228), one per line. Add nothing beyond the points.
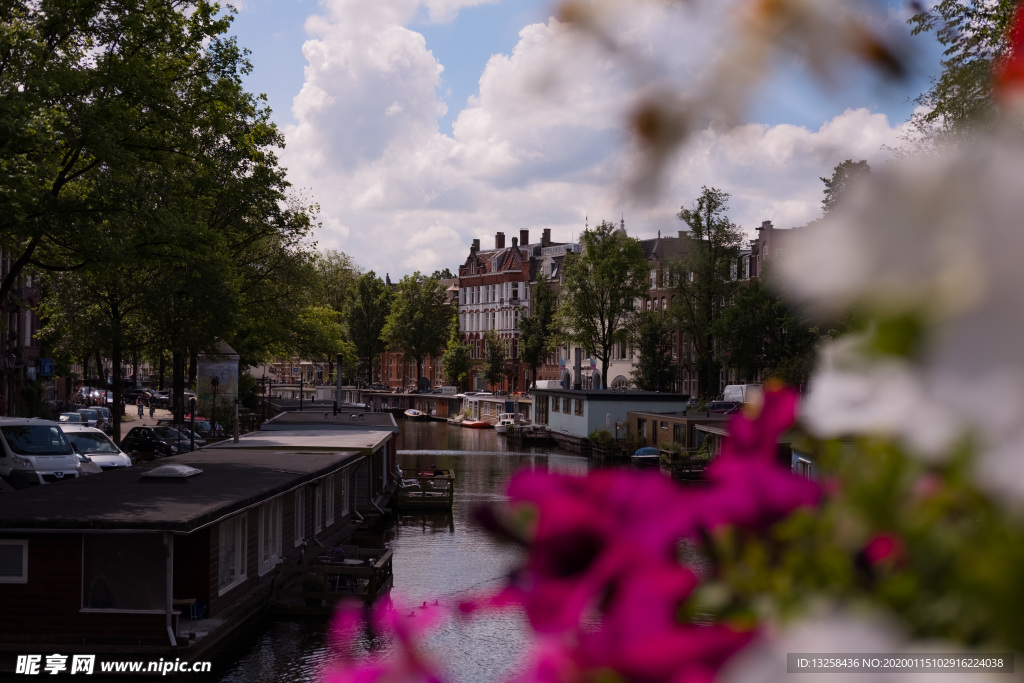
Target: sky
(417, 126)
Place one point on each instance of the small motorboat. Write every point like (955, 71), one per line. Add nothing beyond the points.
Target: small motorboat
(648, 455)
(505, 420)
(413, 414)
(477, 424)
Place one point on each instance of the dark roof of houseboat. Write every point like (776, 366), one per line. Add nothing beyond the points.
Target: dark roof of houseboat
(231, 480)
(614, 394)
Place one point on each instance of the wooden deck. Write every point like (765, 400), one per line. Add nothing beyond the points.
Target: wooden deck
(345, 573)
(426, 490)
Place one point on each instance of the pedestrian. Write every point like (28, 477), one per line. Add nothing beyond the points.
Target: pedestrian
(152, 407)
(140, 407)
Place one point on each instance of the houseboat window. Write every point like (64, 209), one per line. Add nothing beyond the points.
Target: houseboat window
(641, 431)
(126, 572)
(554, 404)
(13, 561)
(579, 406)
(565, 404)
(345, 509)
(270, 535)
(329, 499)
(678, 435)
(300, 516)
(318, 512)
(232, 552)
(540, 412)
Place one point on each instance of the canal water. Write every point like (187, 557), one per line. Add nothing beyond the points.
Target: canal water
(438, 556)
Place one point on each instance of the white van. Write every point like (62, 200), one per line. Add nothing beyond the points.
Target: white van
(34, 451)
(95, 445)
(742, 393)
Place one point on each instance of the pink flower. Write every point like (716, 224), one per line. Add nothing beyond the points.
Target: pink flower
(404, 665)
(640, 635)
(885, 549)
(589, 532)
(751, 488)
(1008, 70)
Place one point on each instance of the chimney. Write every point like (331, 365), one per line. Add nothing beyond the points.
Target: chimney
(524, 237)
(766, 225)
(499, 240)
(475, 248)
(545, 240)
(515, 242)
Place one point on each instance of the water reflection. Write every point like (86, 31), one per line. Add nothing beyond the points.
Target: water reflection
(438, 556)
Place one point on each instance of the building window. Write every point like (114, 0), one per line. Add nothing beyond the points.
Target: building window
(232, 552)
(579, 406)
(270, 535)
(13, 561)
(300, 516)
(329, 500)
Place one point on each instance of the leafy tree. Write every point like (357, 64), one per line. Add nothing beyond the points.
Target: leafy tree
(959, 102)
(335, 272)
(844, 176)
(703, 279)
(366, 311)
(653, 339)
(418, 322)
(456, 358)
(599, 288)
(762, 336)
(535, 330)
(445, 274)
(88, 90)
(495, 355)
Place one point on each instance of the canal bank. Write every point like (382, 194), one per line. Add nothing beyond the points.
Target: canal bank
(437, 556)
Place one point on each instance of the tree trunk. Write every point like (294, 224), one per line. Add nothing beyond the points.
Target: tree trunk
(178, 387)
(115, 358)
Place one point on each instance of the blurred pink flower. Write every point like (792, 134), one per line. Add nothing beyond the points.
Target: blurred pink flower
(750, 487)
(404, 665)
(885, 548)
(590, 532)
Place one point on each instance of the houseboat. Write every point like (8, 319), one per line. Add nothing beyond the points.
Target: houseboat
(167, 560)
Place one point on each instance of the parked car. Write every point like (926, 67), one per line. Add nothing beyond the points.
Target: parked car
(204, 427)
(147, 443)
(71, 418)
(96, 446)
(186, 434)
(725, 407)
(108, 418)
(34, 451)
(91, 415)
(87, 466)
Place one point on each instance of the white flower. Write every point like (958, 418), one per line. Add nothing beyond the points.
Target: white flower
(940, 239)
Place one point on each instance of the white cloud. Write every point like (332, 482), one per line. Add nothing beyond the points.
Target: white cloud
(540, 146)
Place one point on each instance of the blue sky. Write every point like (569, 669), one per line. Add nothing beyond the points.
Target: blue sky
(417, 124)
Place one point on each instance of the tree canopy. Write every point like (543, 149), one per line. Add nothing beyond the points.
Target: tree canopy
(366, 311)
(417, 324)
(599, 289)
(703, 280)
(844, 176)
(536, 333)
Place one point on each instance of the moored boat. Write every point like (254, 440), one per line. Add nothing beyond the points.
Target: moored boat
(429, 489)
(648, 455)
(413, 414)
(505, 421)
(477, 424)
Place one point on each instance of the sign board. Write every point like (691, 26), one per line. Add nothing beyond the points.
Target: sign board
(46, 367)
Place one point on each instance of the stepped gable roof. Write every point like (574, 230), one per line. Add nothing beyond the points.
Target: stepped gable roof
(512, 259)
